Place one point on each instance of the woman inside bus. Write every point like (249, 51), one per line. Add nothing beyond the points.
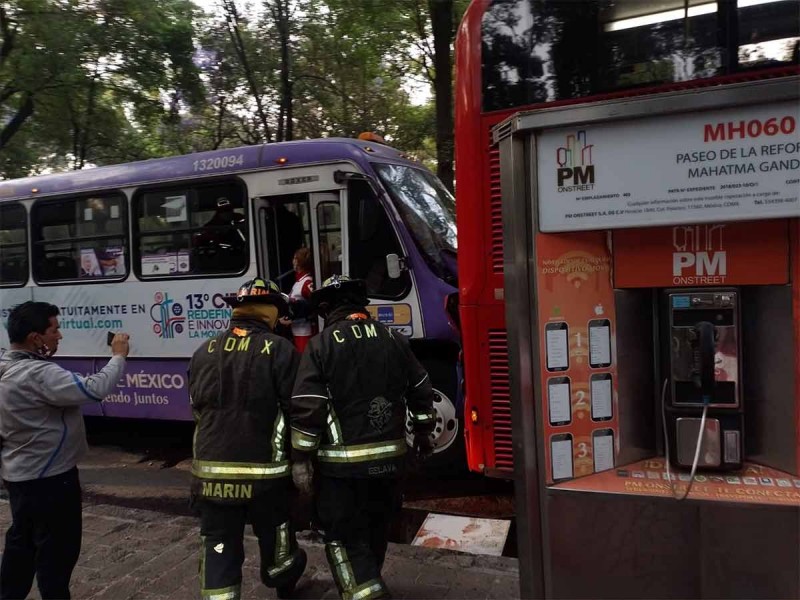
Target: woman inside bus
(303, 326)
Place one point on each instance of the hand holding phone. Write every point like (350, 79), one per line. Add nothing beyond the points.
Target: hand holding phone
(119, 343)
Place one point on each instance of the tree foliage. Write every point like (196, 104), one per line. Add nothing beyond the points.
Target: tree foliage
(77, 77)
(105, 81)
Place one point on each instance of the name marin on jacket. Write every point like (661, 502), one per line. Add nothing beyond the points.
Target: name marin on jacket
(227, 490)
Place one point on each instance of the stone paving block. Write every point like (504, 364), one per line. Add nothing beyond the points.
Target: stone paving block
(476, 586)
(166, 558)
(100, 557)
(178, 582)
(123, 588)
(160, 534)
(86, 589)
(105, 525)
(410, 591)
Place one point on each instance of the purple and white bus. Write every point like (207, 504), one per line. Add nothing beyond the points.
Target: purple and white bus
(151, 247)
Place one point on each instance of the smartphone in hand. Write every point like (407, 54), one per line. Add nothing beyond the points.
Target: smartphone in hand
(110, 337)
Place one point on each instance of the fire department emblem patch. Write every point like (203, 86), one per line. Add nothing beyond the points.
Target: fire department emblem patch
(379, 413)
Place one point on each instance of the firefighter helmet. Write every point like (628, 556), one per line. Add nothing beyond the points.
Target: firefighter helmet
(339, 289)
(258, 290)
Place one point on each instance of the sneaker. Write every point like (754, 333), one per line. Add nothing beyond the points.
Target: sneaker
(287, 590)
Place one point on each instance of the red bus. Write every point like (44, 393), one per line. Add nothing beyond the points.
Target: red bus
(514, 55)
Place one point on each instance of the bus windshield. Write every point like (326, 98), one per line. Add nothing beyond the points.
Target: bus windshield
(429, 212)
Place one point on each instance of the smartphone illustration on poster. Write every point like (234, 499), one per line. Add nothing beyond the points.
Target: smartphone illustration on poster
(559, 404)
(561, 456)
(601, 391)
(603, 449)
(557, 346)
(599, 343)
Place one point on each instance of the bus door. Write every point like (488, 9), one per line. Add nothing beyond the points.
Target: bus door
(287, 222)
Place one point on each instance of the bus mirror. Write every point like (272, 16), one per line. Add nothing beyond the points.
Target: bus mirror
(394, 266)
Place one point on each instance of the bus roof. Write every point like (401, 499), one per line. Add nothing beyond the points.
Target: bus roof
(231, 160)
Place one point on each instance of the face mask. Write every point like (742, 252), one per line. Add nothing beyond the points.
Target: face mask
(43, 349)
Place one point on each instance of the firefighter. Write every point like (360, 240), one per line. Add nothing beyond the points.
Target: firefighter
(348, 413)
(240, 385)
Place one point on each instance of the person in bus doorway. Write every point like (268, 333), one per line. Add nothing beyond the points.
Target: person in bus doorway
(43, 438)
(303, 326)
(240, 384)
(348, 412)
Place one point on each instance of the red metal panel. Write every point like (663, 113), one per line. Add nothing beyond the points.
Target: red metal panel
(794, 233)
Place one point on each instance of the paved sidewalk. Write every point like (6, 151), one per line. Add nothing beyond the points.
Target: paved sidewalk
(146, 555)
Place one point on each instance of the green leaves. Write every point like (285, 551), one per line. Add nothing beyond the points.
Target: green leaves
(94, 72)
(104, 81)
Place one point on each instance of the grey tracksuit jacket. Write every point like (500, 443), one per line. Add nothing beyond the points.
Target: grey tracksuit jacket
(41, 425)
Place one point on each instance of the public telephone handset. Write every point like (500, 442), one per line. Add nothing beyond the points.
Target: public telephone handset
(702, 339)
(705, 337)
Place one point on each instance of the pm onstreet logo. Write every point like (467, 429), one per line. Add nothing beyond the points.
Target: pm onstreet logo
(575, 172)
(698, 256)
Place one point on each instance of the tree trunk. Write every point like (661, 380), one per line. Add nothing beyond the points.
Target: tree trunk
(232, 17)
(13, 126)
(280, 15)
(9, 36)
(441, 12)
(83, 139)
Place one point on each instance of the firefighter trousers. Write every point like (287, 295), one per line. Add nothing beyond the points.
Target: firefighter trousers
(355, 515)
(222, 535)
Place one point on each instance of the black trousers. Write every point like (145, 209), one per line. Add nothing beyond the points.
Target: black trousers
(44, 538)
(222, 534)
(355, 515)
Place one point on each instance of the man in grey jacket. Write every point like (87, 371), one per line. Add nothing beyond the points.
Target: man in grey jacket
(43, 437)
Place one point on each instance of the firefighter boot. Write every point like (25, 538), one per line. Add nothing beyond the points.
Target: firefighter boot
(287, 590)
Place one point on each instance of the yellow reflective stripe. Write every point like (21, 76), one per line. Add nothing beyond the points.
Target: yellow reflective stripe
(362, 452)
(278, 569)
(202, 562)
(337, 556)
(304, 441)
(310, 396)
(227, 593)
(334, 430)
(207, 469)
(278, 432)
(366, 590)
(423, 417)
(281, 543)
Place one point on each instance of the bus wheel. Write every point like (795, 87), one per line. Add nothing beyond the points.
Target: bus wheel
(446, 435)
(446, 429)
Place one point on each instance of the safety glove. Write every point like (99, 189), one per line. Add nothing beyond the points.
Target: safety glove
(303, 476)
(423, 446)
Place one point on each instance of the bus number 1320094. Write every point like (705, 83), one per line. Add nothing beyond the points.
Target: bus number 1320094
(219, 162)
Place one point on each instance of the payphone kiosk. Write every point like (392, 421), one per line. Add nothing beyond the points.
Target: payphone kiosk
(655, 358)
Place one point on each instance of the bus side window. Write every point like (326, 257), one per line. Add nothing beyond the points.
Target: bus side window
(192, 230)
(371, 238)
(80, 238)
(13, 245)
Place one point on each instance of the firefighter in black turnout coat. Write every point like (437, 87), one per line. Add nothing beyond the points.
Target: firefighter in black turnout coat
(240, 384)
(348, 410)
